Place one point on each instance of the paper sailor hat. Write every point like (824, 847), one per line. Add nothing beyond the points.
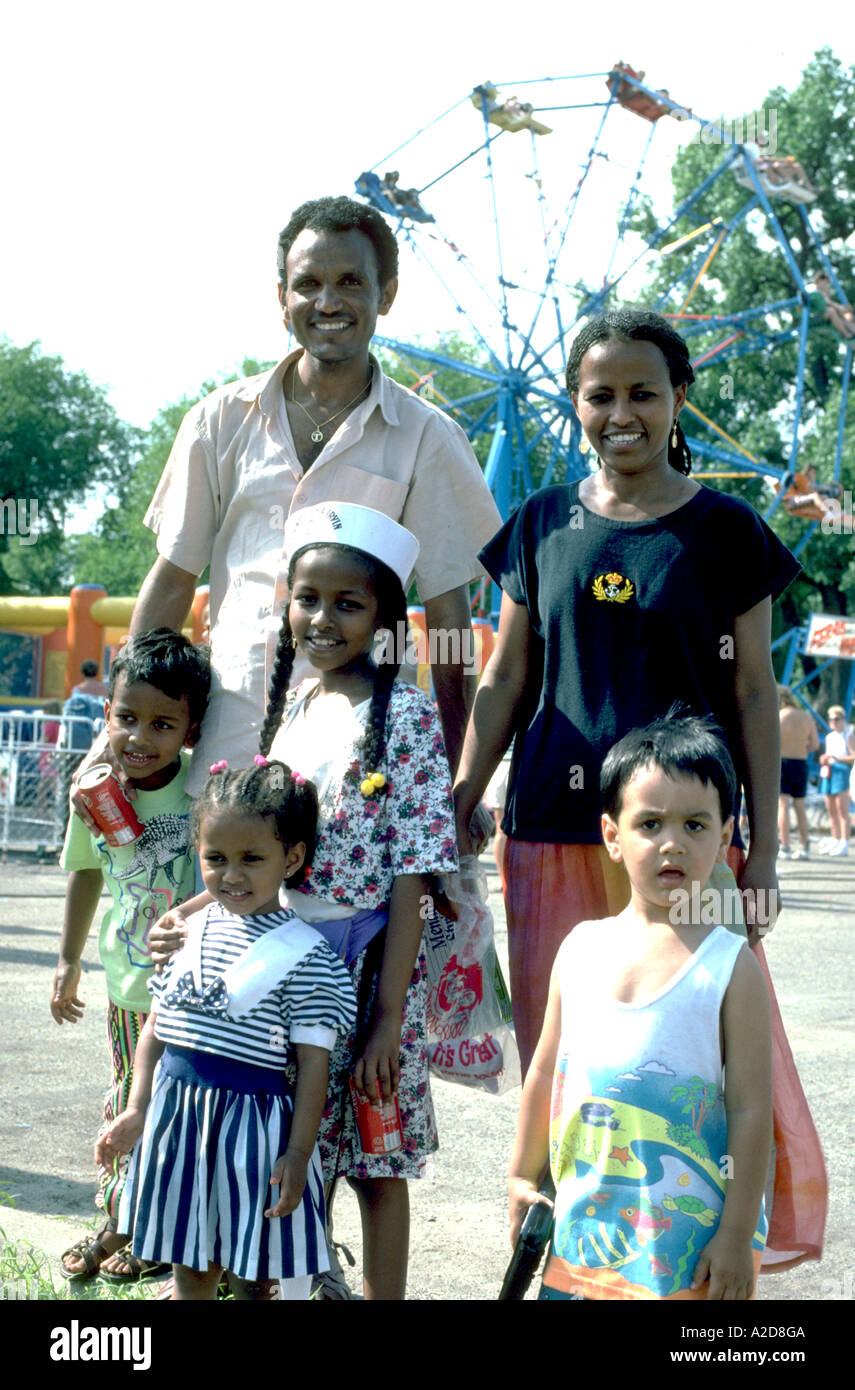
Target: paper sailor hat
(345, 523)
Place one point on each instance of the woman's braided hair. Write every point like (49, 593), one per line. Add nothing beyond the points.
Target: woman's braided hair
(269, 791)
(634, 325)
(391, 614)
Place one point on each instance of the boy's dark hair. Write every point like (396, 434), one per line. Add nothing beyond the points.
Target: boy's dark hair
(341, 215)
(682, 745)
(265, 791)
(391, 610)
(89, 668)
(169, 662)
(638, 325)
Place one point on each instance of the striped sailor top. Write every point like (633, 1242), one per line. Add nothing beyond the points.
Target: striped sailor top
(312, 1004)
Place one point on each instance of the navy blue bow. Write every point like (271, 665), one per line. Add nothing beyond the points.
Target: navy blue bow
(213, 999)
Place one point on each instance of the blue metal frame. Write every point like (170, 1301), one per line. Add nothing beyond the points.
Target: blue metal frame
(521, 404)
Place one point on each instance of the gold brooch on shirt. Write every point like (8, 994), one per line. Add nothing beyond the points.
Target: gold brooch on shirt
(613, 588)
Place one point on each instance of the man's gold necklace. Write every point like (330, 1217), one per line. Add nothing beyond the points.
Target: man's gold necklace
(318, 433)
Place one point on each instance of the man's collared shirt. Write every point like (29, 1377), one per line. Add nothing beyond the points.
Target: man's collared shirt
(234, 476)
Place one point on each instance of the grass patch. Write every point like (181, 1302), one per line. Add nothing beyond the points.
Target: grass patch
(26, 1274)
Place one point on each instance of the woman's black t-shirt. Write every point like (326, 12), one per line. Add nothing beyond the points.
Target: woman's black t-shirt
(628, 618)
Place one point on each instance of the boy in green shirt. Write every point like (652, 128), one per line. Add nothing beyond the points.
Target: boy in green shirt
(158, 694)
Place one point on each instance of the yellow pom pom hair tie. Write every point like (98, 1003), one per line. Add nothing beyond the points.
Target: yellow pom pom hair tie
(374, 782)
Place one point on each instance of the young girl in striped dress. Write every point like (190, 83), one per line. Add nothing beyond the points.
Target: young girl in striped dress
(227, 1174)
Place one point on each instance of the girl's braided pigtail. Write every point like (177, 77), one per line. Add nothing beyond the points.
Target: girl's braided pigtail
(283, 663)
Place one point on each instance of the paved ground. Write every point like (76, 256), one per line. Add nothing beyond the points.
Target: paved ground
(53, 1079)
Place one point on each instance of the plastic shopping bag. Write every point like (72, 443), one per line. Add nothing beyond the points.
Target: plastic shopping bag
(470, 1030)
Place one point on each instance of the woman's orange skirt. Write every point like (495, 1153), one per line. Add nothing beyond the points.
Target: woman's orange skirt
(548, 889)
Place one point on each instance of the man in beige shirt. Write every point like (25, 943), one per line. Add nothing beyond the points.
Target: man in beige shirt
(798, 738)
(325, 425)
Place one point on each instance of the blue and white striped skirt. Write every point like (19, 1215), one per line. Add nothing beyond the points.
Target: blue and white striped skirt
(198, 1182)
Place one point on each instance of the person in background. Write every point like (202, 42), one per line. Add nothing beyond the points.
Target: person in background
(835, 770)
(798, 739)
(91, 685)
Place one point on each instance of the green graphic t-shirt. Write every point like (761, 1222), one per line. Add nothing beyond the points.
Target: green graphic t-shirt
(145, 880)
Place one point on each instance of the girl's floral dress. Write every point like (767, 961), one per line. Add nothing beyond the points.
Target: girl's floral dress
(364, 843)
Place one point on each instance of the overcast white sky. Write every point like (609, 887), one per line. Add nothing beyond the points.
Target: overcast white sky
(152, 153)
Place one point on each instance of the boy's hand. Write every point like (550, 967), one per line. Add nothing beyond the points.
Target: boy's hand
(120, 1137)
(377, 1070)
(289, 1172)
(65, 1005)
(728, 1264)
(522, 1194)
(167, 936)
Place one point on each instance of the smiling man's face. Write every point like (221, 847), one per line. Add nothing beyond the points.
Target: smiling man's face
(332, 295)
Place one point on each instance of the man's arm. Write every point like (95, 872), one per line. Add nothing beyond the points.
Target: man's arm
(454, 676)
(164, 599)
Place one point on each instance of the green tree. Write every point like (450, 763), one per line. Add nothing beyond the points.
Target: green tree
(59, 438)
(752, 395)
(120, 551)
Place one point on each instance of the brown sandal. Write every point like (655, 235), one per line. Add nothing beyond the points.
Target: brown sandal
(137, 1269)
(91, 1251)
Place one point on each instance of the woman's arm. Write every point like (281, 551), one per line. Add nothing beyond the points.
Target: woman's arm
(492, 720)
(291, 1168)
(746, 1022)
(126, 1129)
(379, 1062)
(760, 746)
(531, 1147)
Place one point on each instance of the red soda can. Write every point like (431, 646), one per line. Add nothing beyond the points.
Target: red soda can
(378, 1122)
(102, 795)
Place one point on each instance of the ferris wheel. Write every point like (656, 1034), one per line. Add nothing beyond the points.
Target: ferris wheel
(518, 218)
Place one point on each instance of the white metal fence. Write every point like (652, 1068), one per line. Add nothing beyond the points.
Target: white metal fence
(36, 767)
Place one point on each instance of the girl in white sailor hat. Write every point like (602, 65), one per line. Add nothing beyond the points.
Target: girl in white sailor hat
(374, 749)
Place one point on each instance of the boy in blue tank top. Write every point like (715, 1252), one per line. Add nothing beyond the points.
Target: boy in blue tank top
(658, 1160)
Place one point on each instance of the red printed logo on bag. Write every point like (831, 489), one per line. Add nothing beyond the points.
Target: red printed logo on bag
(451, 1001)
